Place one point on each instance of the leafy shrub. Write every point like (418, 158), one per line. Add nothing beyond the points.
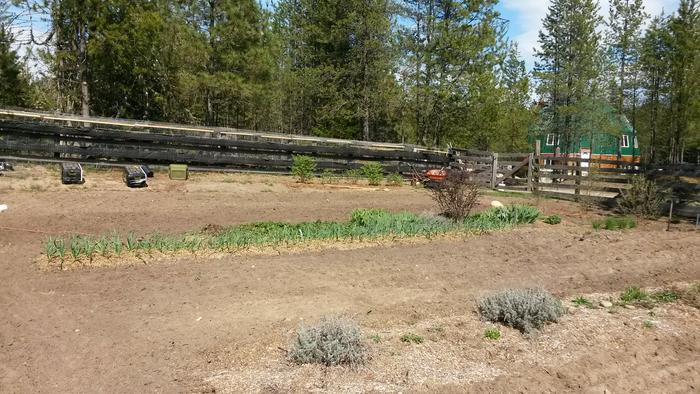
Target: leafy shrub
(456, 195)
(552, 219)
(634, 294)
(411, 338)
(522, 309)
(643, 198)
(492, 333)
(303, 167)
(331, 341)
(354, 175)
(395, 179)
(615, 223)
(374, 172)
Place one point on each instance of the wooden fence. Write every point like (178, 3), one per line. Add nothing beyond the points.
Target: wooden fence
(231, 149)
(63, 137)
(495, 170)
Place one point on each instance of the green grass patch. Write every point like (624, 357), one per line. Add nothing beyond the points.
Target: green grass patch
(665, 295)
(364, 224)
(411, 338)
(634, 294)
(615, 223)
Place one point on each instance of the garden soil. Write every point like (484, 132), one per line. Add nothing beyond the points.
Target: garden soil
(202, 324)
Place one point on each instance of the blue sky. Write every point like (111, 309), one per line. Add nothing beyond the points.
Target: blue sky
(525, 18)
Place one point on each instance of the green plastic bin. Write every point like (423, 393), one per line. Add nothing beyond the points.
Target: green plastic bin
(178, 172)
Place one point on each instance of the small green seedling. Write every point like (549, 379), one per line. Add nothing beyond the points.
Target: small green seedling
(582, 301)
(411, 338)
(492, 333)
(375, 338)
(552, 219)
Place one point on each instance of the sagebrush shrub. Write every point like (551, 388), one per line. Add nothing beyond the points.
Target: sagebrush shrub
(332, 340)
(303, 167)
(523, 309)
(456, 195)
(643, 198)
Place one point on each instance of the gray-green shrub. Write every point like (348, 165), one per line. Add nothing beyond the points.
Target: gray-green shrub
(523, 309)
(332, 340)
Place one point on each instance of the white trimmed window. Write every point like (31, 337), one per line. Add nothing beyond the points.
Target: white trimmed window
(625, 141)
(550, 140)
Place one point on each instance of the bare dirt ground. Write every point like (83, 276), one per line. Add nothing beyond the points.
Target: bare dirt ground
(201, 325)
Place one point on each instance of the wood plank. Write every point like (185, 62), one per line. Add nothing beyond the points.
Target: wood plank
(592, 160)
(578, 168)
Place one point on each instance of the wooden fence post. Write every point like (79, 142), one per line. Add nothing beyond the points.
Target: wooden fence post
(530, 164)
(494, 170)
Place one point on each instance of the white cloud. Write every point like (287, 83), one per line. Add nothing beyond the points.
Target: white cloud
(526, 20)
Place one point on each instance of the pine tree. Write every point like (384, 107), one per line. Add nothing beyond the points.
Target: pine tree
(229, 63)
(684, 30)
(568, 68)
(516, 114)
(654, 58)
(13, 84)
(336, 67)
(624, 39)
(449, 70)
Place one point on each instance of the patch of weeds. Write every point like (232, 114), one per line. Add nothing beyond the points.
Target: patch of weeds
(492, 333)
(353, 175)
(394, 179)
(615, 223)
(649, 324)
(328, 177)
(666, 295)
(691, 295)
(331, 341)
(375, 338)
(552, 219)
(523, 309)
(582, 301)
(411, 338)
(634, 294)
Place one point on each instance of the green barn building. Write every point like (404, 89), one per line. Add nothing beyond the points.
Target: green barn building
(618, 142)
